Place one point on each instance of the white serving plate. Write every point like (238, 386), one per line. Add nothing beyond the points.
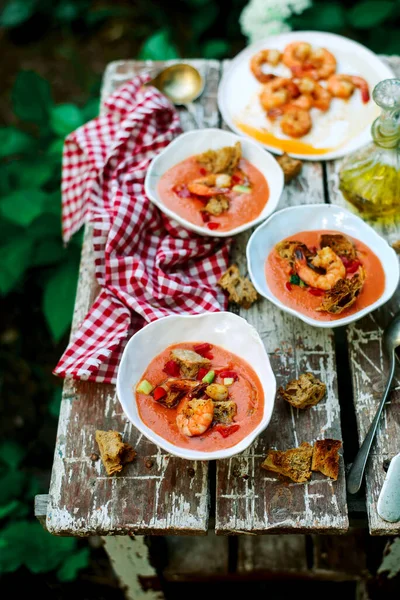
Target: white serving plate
(310, 217)
(223, 329)
(201, 140)
(343, 129)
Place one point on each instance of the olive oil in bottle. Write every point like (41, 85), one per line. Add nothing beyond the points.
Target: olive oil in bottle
(370, 178)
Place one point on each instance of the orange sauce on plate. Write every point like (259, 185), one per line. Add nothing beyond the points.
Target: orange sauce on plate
(291, 146)
(301, 300)
(242, 208)
(247, 392)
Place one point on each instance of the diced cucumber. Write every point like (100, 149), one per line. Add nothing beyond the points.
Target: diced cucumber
(144, 387)
(209, 377)
(243, 189)
(302, 284)
(228, 381)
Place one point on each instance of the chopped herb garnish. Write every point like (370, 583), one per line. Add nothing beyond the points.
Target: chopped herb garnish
(294, 279)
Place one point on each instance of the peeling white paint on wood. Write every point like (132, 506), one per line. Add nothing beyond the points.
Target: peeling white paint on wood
(259, 502)
(130, 559)
(170, 495)
(369, 371)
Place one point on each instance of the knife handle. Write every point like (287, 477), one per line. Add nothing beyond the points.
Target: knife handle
(389, 499)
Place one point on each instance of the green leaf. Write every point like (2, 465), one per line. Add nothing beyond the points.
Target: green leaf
(58, 299)
(216, 48)
(44, 226)
(16, 256)
(27, 543)
(72, 564)
(11, 453)
(31, 97)
(64, 118)
(56, 148)
(33, 173)
(12, 485)
(15, 141)
(158, 47)
(48, 252)
(23, 206)
(14, 508)
(370, 13)
(17, 12)
(52, 205)
(203, 19)
(91, 110)
(55, 403)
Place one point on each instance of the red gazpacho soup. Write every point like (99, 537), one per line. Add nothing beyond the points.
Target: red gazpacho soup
(218, 189)
(324, 274)
(200, 396)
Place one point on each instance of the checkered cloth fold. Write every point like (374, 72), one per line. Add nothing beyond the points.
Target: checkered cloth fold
(146, 264)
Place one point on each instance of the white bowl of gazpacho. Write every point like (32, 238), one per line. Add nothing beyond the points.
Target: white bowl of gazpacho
(322, 264)
(201, 387)
(214, 182)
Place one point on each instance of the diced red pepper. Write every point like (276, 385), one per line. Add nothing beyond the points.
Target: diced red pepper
(213, 225)
(171, 368)
(200, 348)
(159, 393)
(288, 286)
(229, 375)
(208, 355)
(364, 94)
(353, 266)
(205, 216)
(316, 291)
(202, 372)
(236, 178)
(225, 431)
(203, 171)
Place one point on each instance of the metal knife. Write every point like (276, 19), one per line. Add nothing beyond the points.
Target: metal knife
(389, 499)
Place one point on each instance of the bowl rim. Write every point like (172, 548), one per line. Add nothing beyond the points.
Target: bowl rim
(187, 453)
(272, 203)
(388, 292)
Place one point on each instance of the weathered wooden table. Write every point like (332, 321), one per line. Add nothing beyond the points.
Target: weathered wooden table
(161, 494)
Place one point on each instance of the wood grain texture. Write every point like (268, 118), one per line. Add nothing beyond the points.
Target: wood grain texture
(249, 499)
(157, 493)
(369, 370)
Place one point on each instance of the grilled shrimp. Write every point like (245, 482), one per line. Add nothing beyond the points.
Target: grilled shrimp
(296, 122)
(195, 416)
(210, 185)
(326, 259)
(296, 54)
(343, 86)
(257, 61)
(278, 92)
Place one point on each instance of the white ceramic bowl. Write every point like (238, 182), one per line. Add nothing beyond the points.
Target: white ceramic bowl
(318, 217)
(223, 329)
(201, 140)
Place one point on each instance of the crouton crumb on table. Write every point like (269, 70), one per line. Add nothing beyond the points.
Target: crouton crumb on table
(159, 494)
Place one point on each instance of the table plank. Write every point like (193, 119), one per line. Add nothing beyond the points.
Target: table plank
(369, 370)
(249, 499)
(157, 493)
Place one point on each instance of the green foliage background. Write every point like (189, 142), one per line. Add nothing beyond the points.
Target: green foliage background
(35, 266)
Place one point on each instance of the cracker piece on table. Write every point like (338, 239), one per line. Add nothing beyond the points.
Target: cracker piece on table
(305, 391)
(326, 457)
(240, 289)
(114, 452)
(294, 463)
(291, 167)
(396, 246)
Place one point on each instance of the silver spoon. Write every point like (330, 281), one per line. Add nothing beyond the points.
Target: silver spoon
(182, 84)
(391, 340)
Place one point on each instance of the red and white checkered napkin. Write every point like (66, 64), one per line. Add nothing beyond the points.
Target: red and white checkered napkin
(146, 264)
